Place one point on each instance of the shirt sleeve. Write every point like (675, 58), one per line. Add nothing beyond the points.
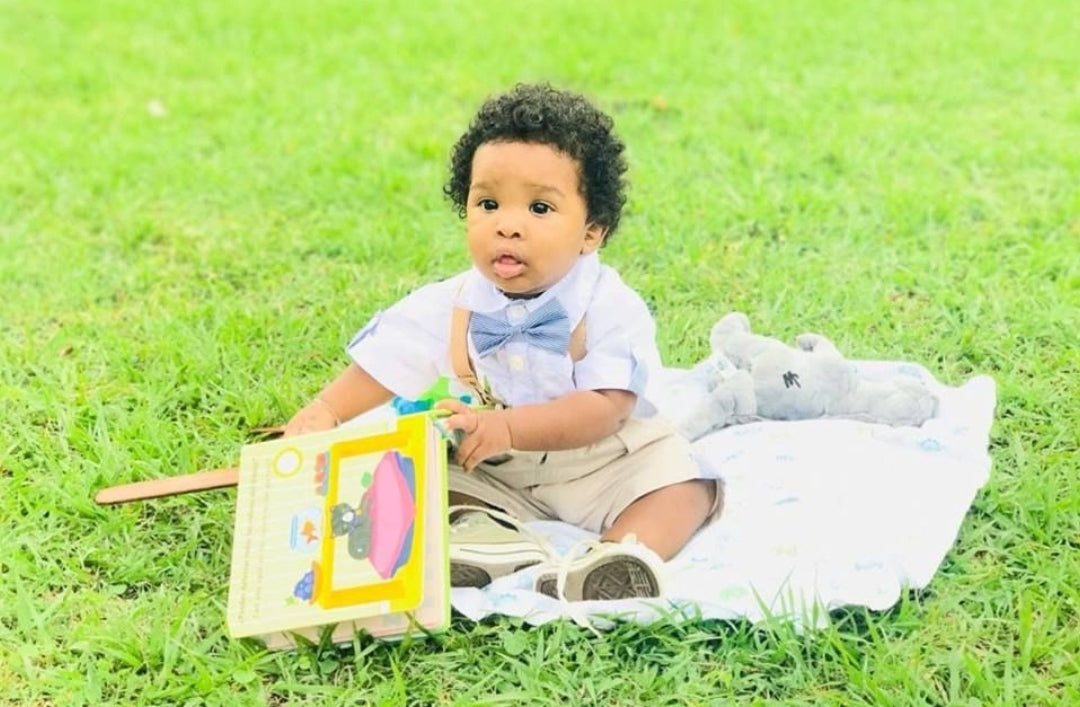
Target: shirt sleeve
(401, 347)
(620, 341)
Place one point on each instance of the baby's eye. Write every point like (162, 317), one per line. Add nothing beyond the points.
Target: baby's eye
(540, 208)
(487, 204)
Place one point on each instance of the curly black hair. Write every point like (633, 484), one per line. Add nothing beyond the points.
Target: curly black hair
(538, 113)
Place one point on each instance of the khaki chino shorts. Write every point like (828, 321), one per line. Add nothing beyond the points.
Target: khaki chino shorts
(591, 486)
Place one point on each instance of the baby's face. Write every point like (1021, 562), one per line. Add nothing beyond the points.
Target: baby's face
(525, 216)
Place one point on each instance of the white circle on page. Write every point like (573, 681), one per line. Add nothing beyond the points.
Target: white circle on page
(287, 462)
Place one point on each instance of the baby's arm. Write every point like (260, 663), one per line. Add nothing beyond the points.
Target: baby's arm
(353, 392)
(575, 420)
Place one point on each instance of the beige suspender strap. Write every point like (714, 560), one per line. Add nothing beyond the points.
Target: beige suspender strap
(459, 351)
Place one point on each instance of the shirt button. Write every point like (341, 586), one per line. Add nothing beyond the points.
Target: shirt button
(517, 363)
(515, 312)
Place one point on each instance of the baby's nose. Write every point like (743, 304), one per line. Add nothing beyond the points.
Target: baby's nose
(509, 226)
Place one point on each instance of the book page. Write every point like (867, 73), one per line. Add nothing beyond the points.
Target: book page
(433, 613)
(331, 527)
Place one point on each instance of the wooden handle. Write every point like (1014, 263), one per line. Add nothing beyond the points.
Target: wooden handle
(169, 486)
(269, 432)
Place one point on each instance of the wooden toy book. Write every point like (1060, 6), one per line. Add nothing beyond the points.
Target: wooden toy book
(343, 527)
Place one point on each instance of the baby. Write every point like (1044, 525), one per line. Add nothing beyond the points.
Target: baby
(556, 348)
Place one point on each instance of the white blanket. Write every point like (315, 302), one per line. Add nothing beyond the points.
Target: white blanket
(819, 514)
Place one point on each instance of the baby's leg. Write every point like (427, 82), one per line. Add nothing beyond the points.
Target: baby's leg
(664, 520)
(655, 489)
(660, 520)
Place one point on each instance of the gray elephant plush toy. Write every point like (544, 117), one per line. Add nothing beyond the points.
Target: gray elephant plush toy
(750, 377)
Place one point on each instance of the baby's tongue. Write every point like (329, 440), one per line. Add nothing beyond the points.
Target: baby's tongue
(508, 266)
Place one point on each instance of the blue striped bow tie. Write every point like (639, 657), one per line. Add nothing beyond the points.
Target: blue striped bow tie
(548, 328)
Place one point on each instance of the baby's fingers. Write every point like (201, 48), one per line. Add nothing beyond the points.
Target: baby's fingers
(461, 417)
(468, 454)
(453, 405)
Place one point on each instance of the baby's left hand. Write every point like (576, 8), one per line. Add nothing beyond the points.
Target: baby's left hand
(487, 432)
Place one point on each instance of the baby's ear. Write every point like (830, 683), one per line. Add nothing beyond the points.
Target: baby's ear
(594, 237)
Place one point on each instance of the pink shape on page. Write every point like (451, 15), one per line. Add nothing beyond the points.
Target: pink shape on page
(393, 511)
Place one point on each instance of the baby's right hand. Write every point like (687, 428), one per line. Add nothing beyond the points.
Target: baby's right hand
(313, 417)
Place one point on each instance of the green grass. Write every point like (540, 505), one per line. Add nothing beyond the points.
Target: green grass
(200, 202)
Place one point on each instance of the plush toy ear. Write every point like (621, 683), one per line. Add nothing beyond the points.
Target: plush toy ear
(729, 324)
(731, 336)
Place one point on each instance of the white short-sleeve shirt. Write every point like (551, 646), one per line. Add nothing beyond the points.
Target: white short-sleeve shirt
(406, 347)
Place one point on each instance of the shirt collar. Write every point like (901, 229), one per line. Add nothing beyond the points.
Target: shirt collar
(574, 291)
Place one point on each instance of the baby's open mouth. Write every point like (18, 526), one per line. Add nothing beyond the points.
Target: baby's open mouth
(507, 266)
